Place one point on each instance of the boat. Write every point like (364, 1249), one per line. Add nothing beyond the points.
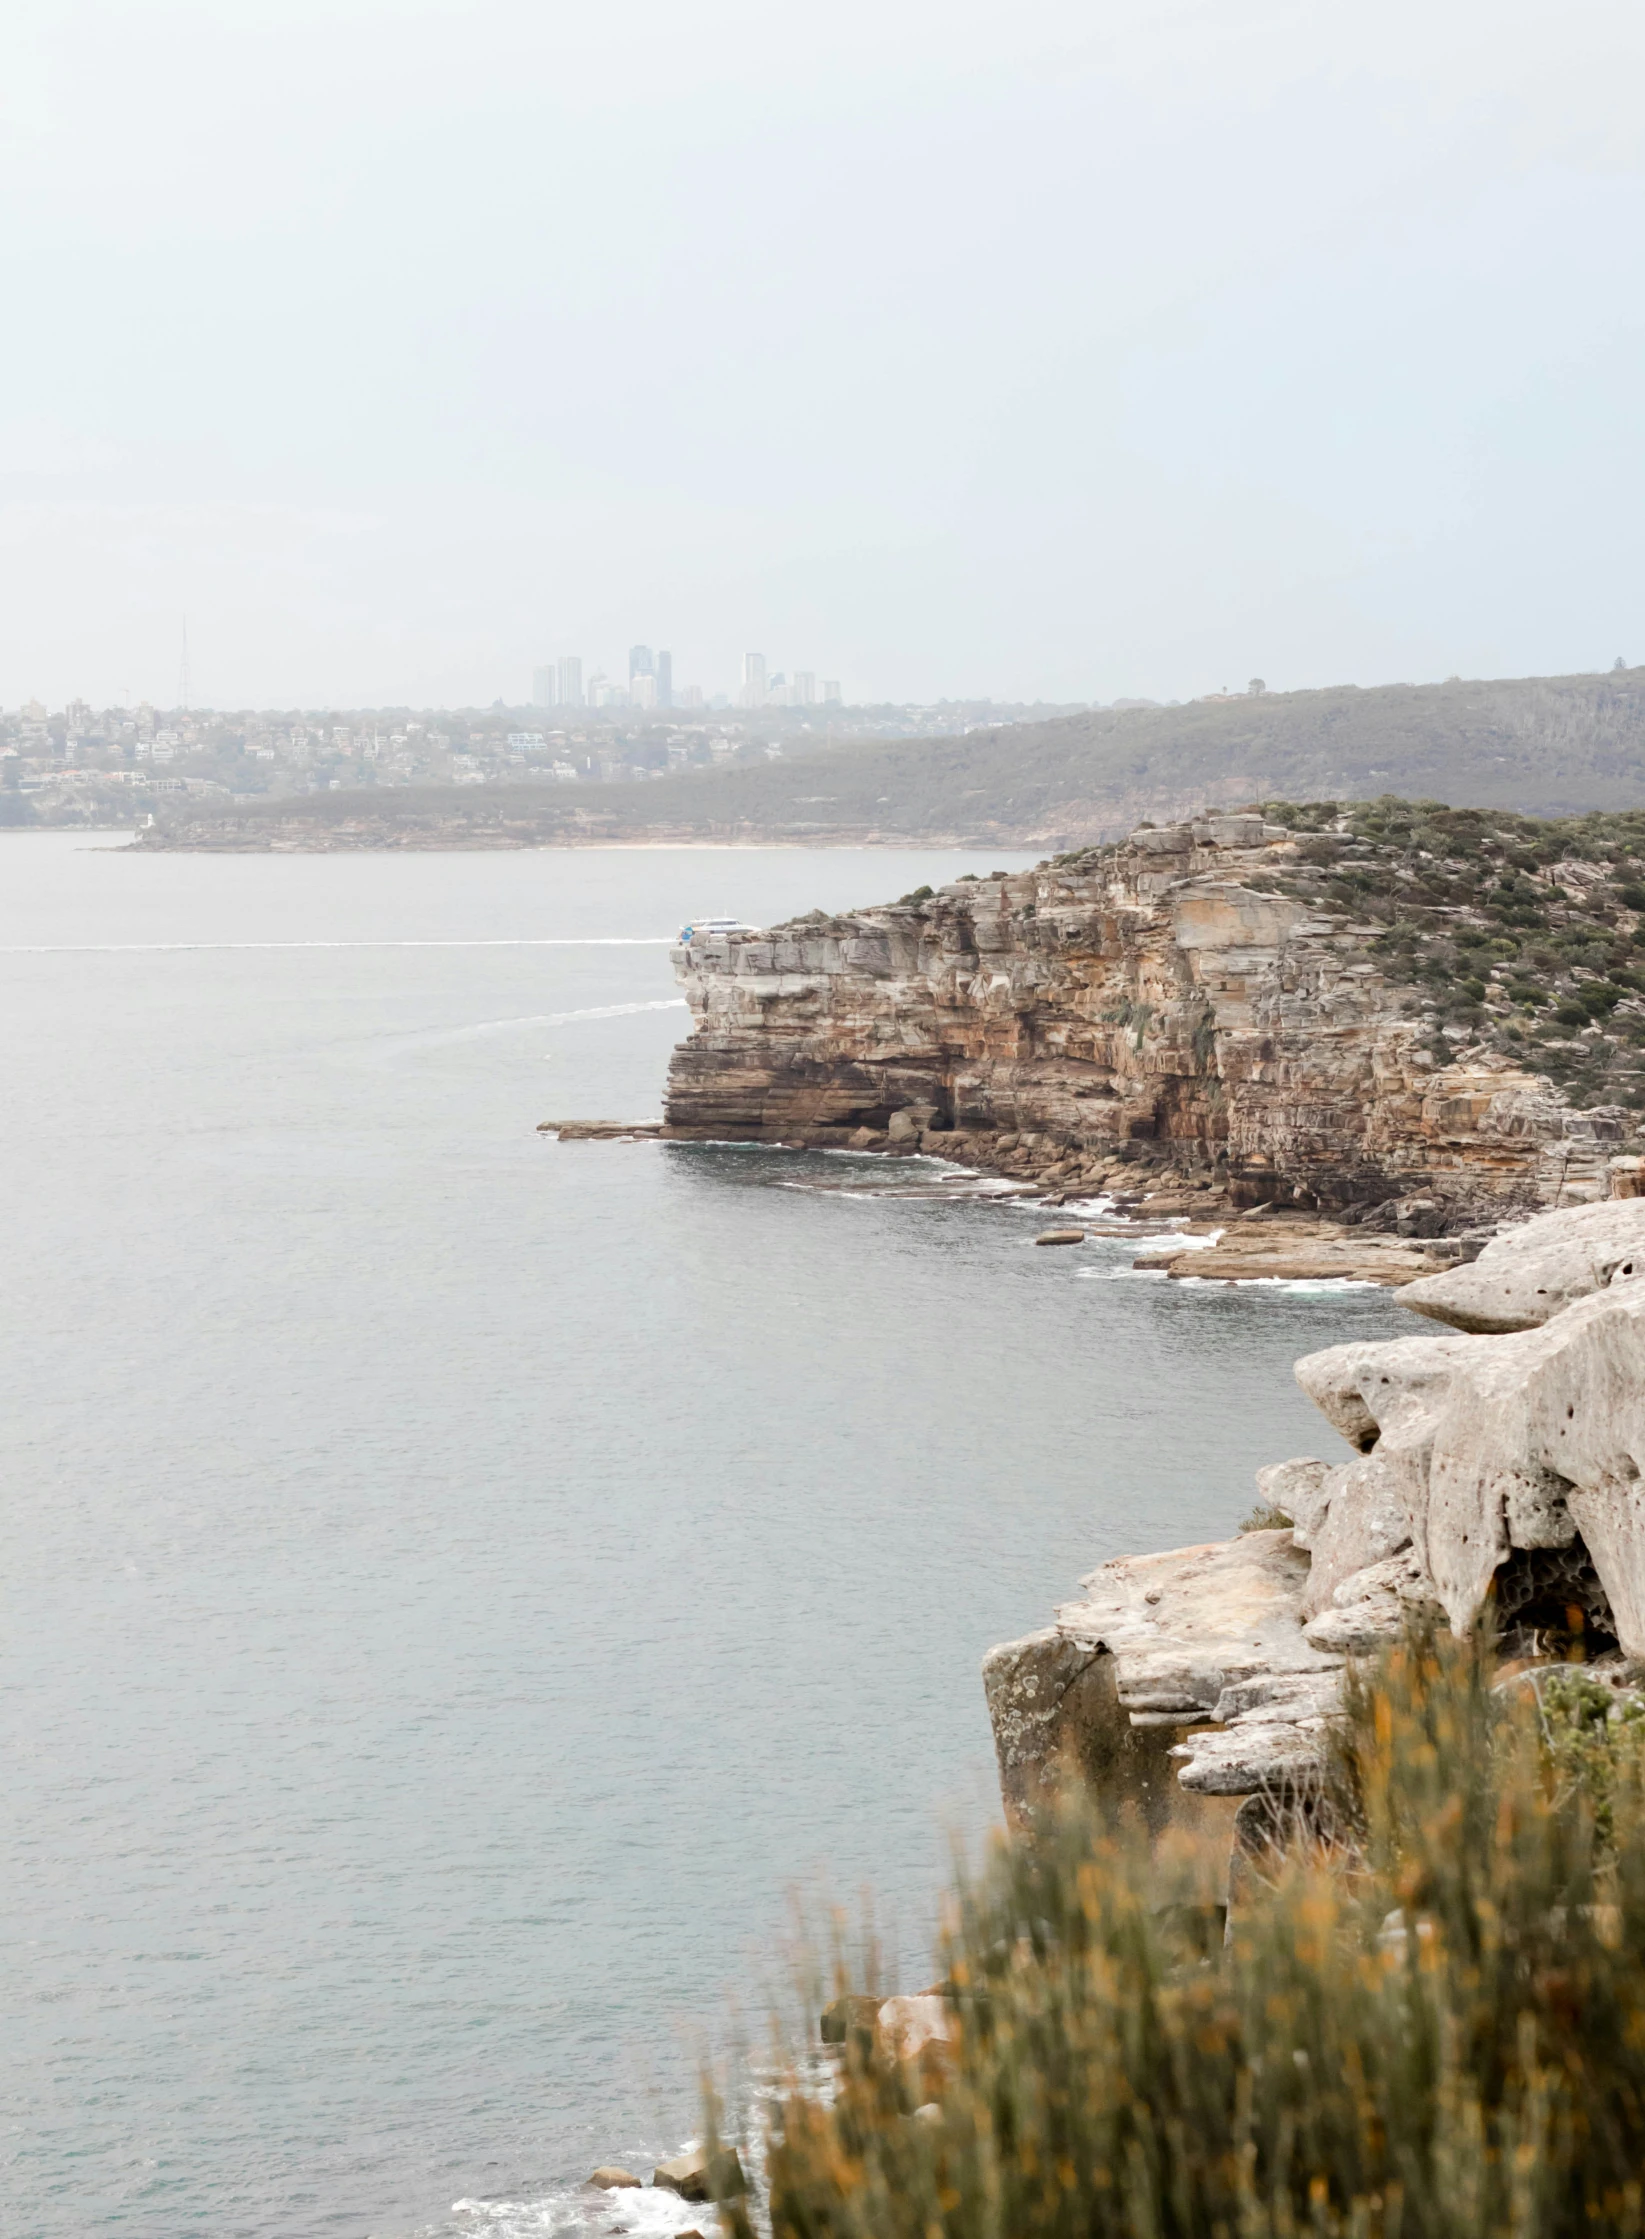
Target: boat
(707, 928)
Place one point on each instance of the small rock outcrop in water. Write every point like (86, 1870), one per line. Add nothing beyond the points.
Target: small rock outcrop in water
(1165, 1004)
(609, 2178)
(698, 2176)
(1506, 1464)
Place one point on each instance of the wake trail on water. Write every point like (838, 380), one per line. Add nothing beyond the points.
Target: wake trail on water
(180, 948)
(440, 1035)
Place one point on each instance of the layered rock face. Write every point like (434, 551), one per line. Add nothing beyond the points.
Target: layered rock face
(1503, 1466)
(1154, 1004)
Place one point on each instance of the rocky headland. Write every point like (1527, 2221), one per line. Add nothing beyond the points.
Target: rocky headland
(1420, 1022)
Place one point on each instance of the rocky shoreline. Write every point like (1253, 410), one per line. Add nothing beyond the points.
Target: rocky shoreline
(1157, 1020)
(1158, 1025)
(1498, 1464)
(1186, 1236)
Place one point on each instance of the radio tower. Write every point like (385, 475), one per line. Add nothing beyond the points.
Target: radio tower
(183, 686)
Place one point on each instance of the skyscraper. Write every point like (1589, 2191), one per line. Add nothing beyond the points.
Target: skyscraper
(639, 662)
(571, 680)
(831, 693)
(753, 691)
(665, 680)
(805, 689)
(545, 687)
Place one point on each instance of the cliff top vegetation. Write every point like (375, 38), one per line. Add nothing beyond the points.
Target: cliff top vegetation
(1522, 934)
(1424, 2021)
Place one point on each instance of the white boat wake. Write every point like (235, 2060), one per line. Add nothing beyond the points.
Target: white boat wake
(189, 948)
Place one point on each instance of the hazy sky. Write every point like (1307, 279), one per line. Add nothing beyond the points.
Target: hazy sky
(1056, 348)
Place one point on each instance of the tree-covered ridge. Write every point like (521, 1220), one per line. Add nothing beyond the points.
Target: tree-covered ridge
(1525, 935)
(1548, 746)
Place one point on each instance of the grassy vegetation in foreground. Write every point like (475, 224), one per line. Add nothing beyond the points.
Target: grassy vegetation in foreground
(1429, 2018)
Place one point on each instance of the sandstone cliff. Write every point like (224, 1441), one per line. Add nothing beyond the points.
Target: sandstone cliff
(1502, 1468)
(1163, 1003)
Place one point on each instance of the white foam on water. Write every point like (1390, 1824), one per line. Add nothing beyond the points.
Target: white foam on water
(1193, 1243)
(1303, 1285)
(729, 1143)
(635, 2211)
(440, 1035)
(642, 2212)
(1124, 1275)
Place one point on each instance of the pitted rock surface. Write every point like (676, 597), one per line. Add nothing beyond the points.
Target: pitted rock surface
(1533, 1272)
(1509, 1465)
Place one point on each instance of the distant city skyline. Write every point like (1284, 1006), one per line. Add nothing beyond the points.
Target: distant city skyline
(445, 339)
(559, 683)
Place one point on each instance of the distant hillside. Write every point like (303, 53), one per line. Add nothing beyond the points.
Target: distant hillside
(1542, 745)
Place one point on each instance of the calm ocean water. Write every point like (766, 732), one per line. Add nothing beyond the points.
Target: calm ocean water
(456, 1583)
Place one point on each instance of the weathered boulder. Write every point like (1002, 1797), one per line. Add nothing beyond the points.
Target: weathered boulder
(1363, 1523)
(1335, 1380)
(1182, 1626)
(1498, 1444)
(920, 2031)
(1373, 1607)
(1526, 1276)
(1264, 1255)
(1058, 1721)
(842, 2017)
(1141, 1662)
(609, 2178)
(699, 2175)
(1508, 1465)
(909, 1123)
(1297, 1489)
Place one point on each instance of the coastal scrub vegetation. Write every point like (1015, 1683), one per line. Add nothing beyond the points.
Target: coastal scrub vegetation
(1517, 934)
(1525, 934)
(1546, 745)
(1427, 2019)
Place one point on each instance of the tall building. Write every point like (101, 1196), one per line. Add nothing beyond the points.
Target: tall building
(639, 662)
(642, 690)
(571, 680)
(692, 696)
(753, 691)
(831, 693)
(804, 693)
(665, 680)
(545, 687)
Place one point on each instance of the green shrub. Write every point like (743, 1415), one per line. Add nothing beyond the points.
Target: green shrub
(1428, 2020)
